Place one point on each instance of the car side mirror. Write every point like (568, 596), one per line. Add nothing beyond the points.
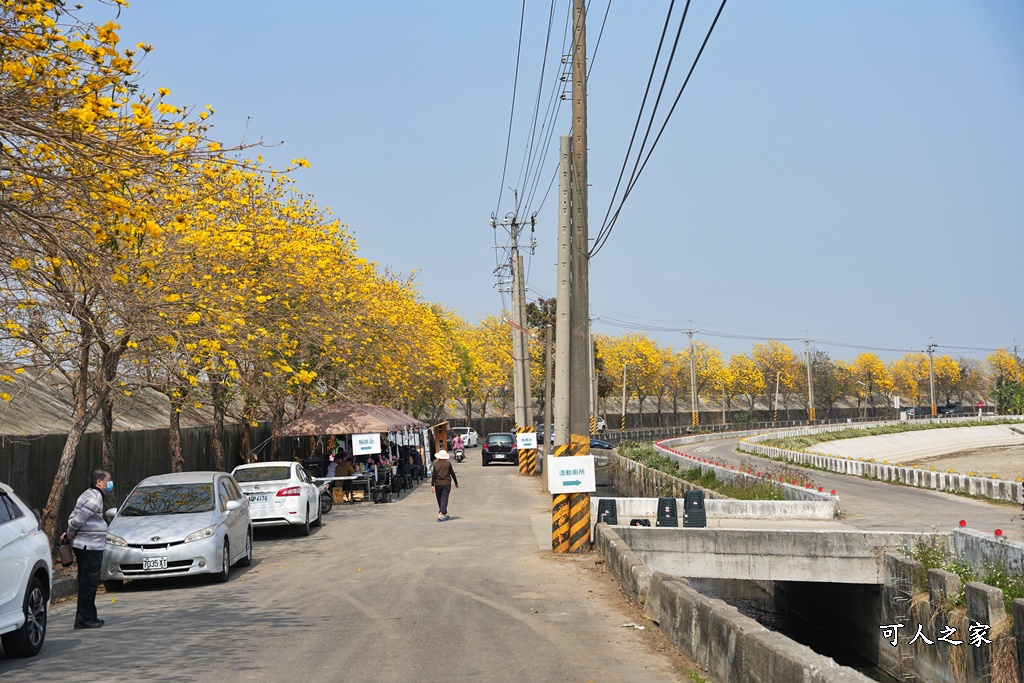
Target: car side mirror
(109, 514)
(233, 505)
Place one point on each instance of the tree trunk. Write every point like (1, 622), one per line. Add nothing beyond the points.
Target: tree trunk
(275, 443)
(107, 416)
(60, 480)
(177, 457)
(217, 393)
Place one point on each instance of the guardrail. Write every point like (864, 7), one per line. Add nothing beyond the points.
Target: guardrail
(998, 489)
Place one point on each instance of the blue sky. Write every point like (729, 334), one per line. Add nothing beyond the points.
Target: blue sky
(852, 169)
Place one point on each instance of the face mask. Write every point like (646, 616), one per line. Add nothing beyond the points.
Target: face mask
(109, 487)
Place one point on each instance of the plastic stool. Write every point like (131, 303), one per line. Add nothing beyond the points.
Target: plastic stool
(667, 515)
(694, 514)
(607, 511)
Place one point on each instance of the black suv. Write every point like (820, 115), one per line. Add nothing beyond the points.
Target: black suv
(501, 447)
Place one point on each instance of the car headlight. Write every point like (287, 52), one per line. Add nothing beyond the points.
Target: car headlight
(201, 534)
(116, 540)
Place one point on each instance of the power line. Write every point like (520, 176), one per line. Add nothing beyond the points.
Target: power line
(608, 226)
(512, 111)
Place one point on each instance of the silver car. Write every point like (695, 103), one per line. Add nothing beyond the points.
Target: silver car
(177, 525)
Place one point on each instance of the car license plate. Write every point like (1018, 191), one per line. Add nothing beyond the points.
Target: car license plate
(499, 456)
(154, 563)
(259, 497)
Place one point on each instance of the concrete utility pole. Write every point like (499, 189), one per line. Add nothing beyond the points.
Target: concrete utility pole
(548, 426)
(624, 366)
(694, 406)
(570, 513)
(810, 381)
(520, 345)
(580, 299)
(775, 413)
(563, 331)
(931, 375)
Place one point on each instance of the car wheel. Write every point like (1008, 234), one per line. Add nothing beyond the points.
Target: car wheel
(326, 504)
(485, 461)
(27, 641)
(319, 516)
(225, 565)
(247, 558)
(303, 529)
(113, 585)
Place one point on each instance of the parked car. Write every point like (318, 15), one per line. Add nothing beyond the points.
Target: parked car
(500, 446)
(600, 425)
(280, 493)
(178, 524)
(26, 572)
(470, 438)
(599, 444)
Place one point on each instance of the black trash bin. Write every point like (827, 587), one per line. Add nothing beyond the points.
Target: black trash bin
(607, 512)
(694, 514)
(667, 514)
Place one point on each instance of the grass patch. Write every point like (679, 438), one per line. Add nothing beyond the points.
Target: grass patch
(646, 454)
(932, 553)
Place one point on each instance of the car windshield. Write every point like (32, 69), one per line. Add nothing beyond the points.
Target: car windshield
(270, 473)
(168, 499)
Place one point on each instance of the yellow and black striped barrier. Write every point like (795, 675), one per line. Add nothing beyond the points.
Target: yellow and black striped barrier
(570, 513)
(813, 415)
(695, 418)
(527, 456)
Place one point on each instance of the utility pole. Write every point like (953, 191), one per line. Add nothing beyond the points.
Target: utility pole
(694, 409)
(563, 330)
(580, 299)
(624, 366)
(570, 513)
(592, 385)
(548, 426)
(520, 345)
(775, 413)
(810, 381)
(931, 375)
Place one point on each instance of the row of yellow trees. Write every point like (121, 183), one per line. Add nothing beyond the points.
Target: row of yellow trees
(136, 251)
(658, 378)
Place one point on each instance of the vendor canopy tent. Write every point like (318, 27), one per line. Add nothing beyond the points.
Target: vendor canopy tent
(350, 418)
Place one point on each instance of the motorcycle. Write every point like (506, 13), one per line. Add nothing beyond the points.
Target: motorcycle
(460, 454)
(326, 498)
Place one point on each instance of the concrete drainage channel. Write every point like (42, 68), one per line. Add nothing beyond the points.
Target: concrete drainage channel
(731, 647)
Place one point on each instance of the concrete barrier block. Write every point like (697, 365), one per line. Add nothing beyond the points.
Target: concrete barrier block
(770, 657)
(655, 592)
(1018, 634)
(702, 629)
(729, 632)
(677, 606)
(840, 674)
(984, 606)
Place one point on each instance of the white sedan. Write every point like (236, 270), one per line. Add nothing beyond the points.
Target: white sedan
(470, 438)
(280, 493)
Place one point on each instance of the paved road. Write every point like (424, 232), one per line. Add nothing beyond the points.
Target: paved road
(379, 593)
(868, 504)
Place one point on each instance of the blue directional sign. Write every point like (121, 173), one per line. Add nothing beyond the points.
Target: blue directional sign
(571, 475)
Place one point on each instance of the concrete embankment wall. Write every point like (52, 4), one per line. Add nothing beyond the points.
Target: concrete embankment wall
(831, 556)
(919, 600)
(636, 480)
(731, 647)
(628, 509)
(998, 489)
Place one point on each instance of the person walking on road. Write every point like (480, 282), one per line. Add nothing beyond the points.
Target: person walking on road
(441, 480)
(87, 531)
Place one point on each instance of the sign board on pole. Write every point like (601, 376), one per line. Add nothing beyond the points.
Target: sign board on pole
(571, 475)
(365, 444)
(526, 440)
